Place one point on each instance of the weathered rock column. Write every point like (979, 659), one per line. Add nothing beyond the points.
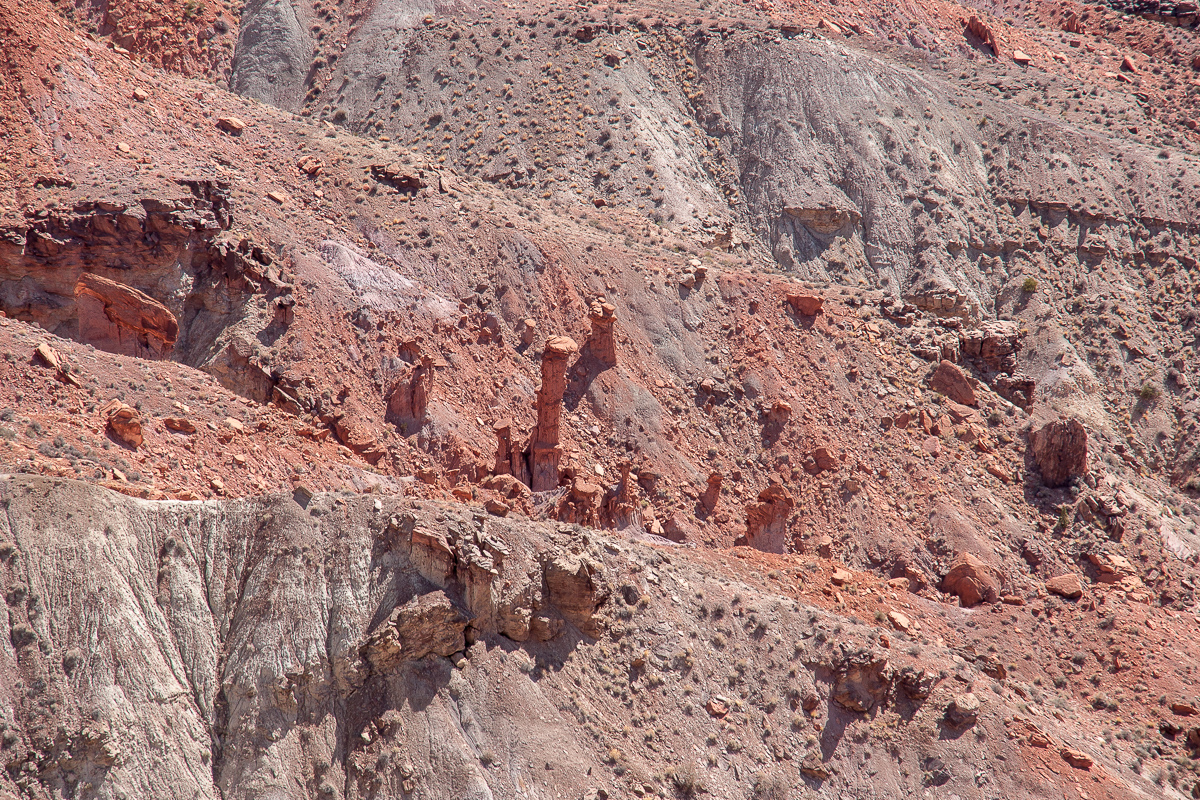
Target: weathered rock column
(601, 342)
(510, 459)
(409, 395)
(712, 492)
(544, 452)
(503, 431)
(1060, 451)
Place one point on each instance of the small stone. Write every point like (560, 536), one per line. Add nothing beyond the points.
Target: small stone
(1183, 709)
(280, 197)
(717, 706)
(217, 484)
(841, 577)
(179, 425)
(141, 95)
(899, 620)
(122, 147)
(235, 425)
(231, 125)
(1068, 586)
(1128, 64)
(1076, 758)
(1022, 58)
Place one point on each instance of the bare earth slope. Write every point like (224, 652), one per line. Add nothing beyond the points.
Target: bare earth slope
(727, 389)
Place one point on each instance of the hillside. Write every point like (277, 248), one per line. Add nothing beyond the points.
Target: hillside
(728, 397)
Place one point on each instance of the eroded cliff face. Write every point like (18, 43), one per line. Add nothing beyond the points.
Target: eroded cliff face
(271, 647)
(350, 646)
(160, 277)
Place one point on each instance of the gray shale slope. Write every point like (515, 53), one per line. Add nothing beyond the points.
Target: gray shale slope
(344, 646)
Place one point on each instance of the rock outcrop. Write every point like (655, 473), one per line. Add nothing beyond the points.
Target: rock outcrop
(510, 460)
(121, 319)
(766, 519)
(544, 450)
(861, 680)
(1060, 451)
(429, 623)
(124, 422)
(983, 32)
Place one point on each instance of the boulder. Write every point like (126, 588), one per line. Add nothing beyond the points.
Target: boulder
(1069, 586)
(179, 424)
(508, 486)
(1184, 709)
(48, 356)
(806, 305)
(403, 178)
(233, 125)
(822, 458)
(917, 683)
(948, 379)
(496, 507)
(409, 395)
(354, 429)
(712, 492)
(779, 412)
(972, 580)
(528, 330)
(1060, 451)
(717, 706)
(813, 767)
(1000, 345)
(963, 710)
(310, 165)
(124, 422)
(1017, 389)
